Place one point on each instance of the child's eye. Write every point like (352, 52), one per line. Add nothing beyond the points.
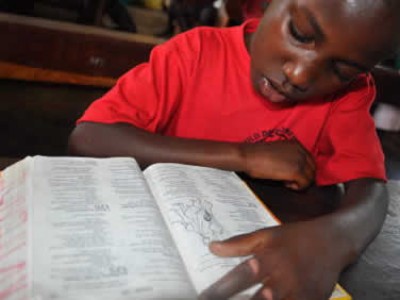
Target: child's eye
(343, 77)
(298, 35)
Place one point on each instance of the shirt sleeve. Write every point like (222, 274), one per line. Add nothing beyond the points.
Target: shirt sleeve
(148, 95)
(349, 147)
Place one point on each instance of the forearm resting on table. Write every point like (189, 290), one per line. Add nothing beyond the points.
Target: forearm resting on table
(358, 218)
(102, 140)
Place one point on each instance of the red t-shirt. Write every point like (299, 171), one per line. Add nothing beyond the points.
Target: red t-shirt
(197, 85)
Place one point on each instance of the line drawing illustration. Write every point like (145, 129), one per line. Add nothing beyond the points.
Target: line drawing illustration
(197, 216)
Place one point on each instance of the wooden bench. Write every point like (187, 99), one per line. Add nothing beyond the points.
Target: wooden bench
(49, 73)
(73, 48)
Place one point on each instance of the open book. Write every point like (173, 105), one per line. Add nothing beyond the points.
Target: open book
(87, 228)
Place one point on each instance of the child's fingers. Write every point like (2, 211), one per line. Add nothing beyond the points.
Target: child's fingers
(308, 157)
(311, 163)
(240, 245)
(310, 170)
(240, 278)
(292, 185)
(304, 178)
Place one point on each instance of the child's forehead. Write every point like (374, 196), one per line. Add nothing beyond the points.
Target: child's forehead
(362, 30)
(345, 8)
(366, 21)
(366, 11)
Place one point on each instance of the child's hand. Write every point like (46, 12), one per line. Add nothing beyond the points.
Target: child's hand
(287, 160)
(294, 261)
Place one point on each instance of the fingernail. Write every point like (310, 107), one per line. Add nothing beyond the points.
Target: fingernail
(215, 245)
(267, 294)
(254, 266)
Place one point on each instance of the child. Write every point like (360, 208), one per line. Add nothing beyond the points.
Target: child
(285, 99)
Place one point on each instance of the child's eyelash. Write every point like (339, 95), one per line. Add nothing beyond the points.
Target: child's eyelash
(302, 38)
(340, 75)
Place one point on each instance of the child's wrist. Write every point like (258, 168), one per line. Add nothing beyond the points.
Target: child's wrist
(344, 251)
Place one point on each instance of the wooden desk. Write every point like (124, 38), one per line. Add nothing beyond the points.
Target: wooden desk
(290, 206)
(7, 161)
(71, 48)
(50, 71)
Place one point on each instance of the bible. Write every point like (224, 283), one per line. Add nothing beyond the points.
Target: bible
(100, 228)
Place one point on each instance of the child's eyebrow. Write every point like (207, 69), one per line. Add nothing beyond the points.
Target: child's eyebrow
(354, 64)
(313, 21)
(320, 33)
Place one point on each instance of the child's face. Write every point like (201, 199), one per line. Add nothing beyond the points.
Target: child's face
(310, 48)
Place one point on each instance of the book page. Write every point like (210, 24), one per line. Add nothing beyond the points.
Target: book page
(14, 232)
(98, 234)
(203, 204)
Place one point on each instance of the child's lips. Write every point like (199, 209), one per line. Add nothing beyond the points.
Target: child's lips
(268, 90)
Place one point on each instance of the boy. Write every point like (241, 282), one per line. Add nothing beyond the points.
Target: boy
(295, 109)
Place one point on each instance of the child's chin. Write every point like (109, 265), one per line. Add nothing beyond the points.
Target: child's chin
(285, 102)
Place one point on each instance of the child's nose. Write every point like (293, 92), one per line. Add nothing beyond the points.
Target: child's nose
(301, 73)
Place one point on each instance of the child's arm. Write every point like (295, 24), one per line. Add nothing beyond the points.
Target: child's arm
(303, 260)
(283, 160)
